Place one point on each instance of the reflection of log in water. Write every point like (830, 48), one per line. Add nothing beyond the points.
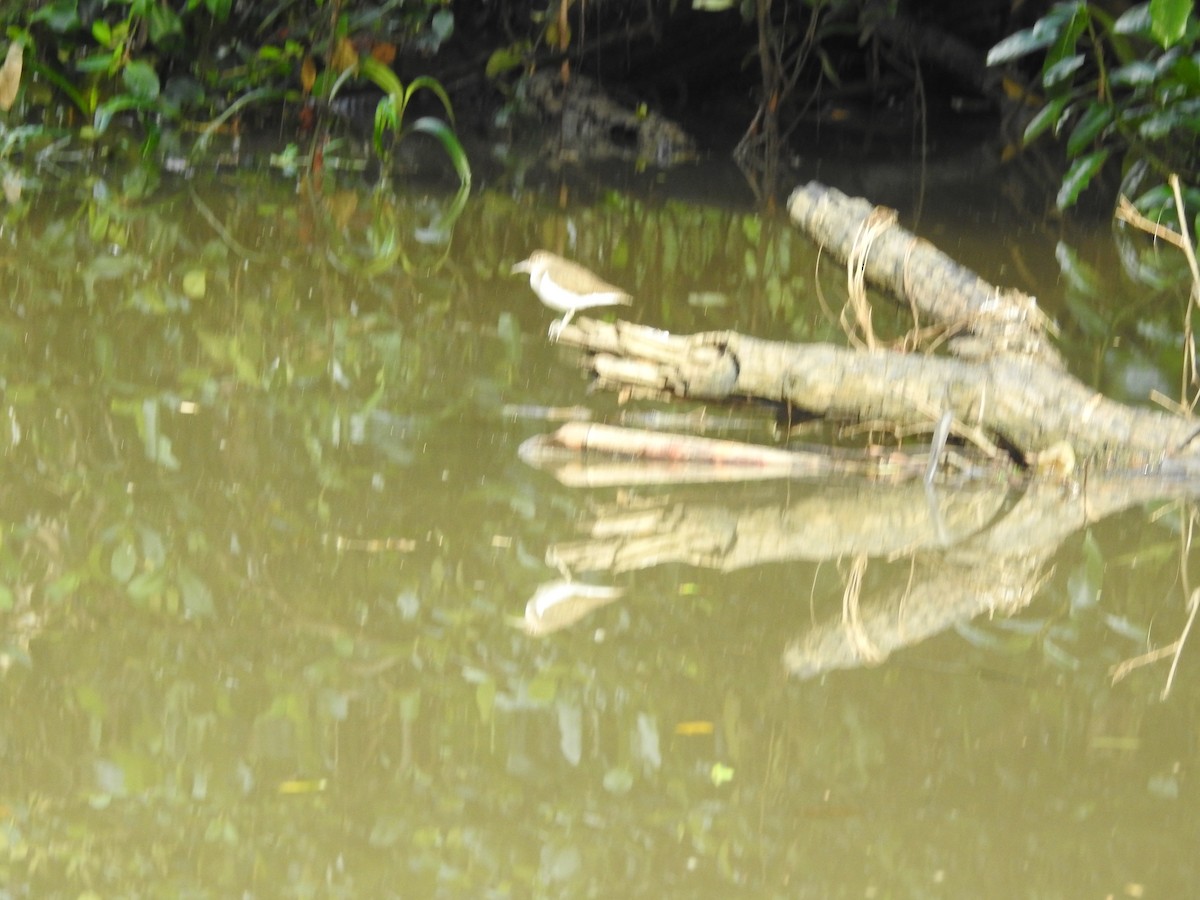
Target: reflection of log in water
(973, 552)
(867, 631)
(997, 571)
(816, 523)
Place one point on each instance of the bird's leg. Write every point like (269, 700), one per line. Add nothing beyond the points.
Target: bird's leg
(557, 326)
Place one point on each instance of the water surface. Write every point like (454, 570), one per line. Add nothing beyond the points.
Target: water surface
(268, 545)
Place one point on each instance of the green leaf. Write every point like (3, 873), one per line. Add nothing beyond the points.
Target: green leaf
(383, 76)
(442, 25)
(102, 32)
(449, 140)
(1079, 276)
(141, 80)
(105, 111)
(431, 84)
(60, 16)
(1079, 176)
(96, 62)
(1186, 70)
(503, 59)
(1017, 45)
(1163, 125)
(164, 24)
(145, 585)
(1095, 120)
(1067, 40)
(1168, 20)
(1134, 22)
(65, 86)
(1062, 71)
(1048, 115)
(1138, 73)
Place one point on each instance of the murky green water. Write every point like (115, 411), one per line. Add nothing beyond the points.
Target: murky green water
(268, 544)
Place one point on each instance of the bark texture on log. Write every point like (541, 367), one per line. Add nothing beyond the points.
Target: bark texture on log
(919, 275)
(1003, 381)
(1026, 403)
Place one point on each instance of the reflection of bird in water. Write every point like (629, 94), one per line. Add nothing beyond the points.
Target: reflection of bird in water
(558, 604)
(566, 287)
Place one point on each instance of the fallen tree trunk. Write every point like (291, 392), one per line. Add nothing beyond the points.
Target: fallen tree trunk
(1005, 385)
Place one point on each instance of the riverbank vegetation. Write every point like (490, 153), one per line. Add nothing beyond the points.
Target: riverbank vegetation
(749, 79)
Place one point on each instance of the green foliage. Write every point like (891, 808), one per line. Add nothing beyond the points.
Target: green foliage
(1129, 86)
(211, 60)
(389, 114)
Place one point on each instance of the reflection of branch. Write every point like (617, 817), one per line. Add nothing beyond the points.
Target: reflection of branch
(1122, 669)
(234, 244)
(983, 551)
(1175, 648)
(1193, 604)
(1182, 240)
(852, 620)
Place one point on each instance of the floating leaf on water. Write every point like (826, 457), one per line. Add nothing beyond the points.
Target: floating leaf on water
(303, 786)
(720, 774)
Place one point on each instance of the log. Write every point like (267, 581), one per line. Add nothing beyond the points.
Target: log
(1003, 382)
(922, 277)
(1027, 405)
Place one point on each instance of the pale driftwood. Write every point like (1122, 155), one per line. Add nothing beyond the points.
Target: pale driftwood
(1003, 383)
(1027, 404)
(918, 275)
(637, 456)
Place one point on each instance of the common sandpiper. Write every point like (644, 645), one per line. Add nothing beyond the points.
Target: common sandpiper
(567, 287)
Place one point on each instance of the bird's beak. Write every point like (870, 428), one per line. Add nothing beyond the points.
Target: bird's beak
(522, 266)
